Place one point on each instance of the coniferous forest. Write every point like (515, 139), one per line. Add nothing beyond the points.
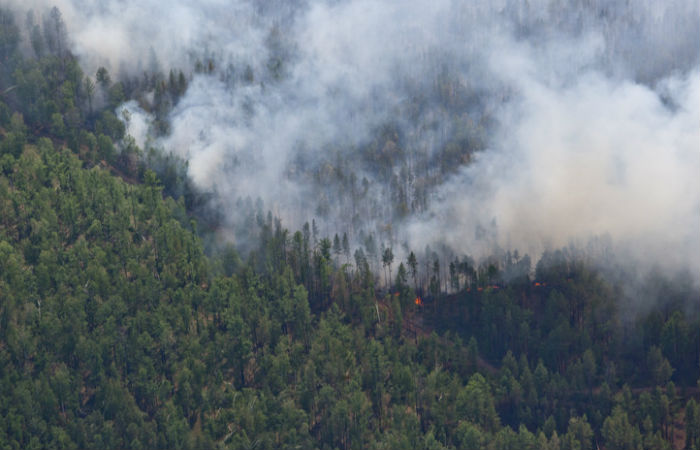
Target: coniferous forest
(128, 319)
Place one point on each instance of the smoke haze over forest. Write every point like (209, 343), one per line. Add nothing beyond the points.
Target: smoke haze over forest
(473, 126)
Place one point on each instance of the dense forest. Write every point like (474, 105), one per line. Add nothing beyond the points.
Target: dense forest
(125, 322)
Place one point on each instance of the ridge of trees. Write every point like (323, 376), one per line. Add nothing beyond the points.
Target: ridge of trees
(118, 331)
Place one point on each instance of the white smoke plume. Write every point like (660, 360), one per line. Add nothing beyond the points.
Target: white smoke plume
(586, 114)
(596, 158)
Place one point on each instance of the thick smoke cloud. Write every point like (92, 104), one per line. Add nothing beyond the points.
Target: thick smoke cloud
(597, 158)
(586, 113)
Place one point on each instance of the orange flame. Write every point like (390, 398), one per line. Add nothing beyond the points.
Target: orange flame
(419, 302)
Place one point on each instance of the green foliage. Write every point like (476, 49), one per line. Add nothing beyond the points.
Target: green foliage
(619, 433)
(118, 331)
(692, 425)
(475, 403)
(9, 35)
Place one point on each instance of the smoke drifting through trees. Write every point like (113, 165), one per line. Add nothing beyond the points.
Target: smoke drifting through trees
(429, 123)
